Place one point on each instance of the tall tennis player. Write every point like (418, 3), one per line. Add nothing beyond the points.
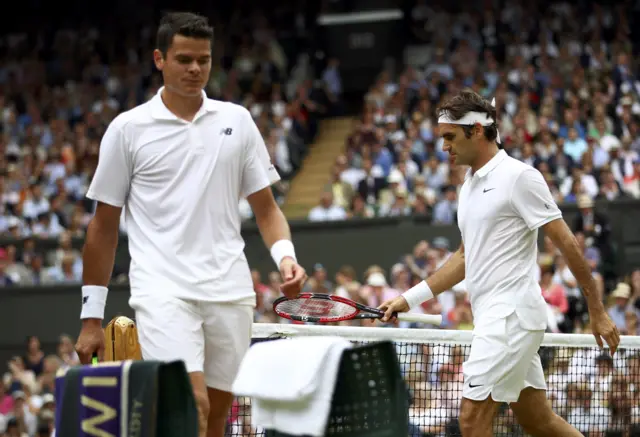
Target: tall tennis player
(503, 202)
(179, 164)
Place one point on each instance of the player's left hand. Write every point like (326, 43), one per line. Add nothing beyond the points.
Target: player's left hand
(294, 277)
(603, 327)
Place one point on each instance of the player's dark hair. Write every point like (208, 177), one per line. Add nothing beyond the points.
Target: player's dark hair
(186, 24)
(468, 101)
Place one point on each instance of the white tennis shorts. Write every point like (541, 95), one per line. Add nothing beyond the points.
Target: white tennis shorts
(503, 361)
(210, 337)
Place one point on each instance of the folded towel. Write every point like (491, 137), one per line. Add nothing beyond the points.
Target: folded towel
(291, 383)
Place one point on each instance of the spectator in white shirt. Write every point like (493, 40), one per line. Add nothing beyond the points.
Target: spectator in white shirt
(589, 183)
(326, 210)
(36, 203)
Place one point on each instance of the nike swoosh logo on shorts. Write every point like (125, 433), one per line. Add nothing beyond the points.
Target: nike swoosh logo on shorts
(474, 386)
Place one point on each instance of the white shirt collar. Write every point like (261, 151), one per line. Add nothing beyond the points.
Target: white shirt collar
(493, 163)
(160, 111)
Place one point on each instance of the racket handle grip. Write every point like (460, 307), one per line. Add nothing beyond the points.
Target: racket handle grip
(431, 319)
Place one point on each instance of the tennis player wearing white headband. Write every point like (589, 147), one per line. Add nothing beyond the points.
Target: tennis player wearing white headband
(503, 202)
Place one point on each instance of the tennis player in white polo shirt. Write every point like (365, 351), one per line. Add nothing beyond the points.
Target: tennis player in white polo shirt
(179, 165)
(503, 203)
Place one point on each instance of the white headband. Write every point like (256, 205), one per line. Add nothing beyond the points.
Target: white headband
(471, 118)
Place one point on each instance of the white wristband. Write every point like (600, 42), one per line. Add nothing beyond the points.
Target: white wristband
(417, 294)
(94, 300)
(281, 249)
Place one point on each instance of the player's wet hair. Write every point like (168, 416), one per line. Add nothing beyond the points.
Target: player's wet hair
(469, 101)
(187, 24)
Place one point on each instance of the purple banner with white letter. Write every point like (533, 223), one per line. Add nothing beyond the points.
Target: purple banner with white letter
(95, 400)
(100, 402)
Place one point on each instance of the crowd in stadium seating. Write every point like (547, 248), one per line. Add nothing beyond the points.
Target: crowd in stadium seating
(567, 98)
(567, 103)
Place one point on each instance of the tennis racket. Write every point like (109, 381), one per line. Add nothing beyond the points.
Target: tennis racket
(325, 308)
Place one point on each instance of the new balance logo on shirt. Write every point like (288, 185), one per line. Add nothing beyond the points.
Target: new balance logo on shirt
(226, 131)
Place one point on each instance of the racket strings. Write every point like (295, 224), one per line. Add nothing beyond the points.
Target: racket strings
(316, 308)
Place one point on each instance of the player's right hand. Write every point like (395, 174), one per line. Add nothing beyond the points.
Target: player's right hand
(395, 305)
(603, 327)
(294, 277)
(90, 341)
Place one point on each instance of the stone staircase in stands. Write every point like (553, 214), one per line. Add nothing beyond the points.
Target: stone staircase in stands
(315, 171)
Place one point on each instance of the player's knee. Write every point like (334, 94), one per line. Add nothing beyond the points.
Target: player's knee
(538, 424)
(473, 421)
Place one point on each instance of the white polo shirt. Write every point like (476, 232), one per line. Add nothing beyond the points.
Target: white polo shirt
(180, 183)
(500, 209)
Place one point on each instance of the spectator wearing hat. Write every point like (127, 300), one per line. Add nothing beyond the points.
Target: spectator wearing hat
(617, 312)
(48, 402)
(378, 290)
(395, 183)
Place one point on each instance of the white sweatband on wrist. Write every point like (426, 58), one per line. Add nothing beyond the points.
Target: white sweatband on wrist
(282, 249)
(94, 300)
(418, 294)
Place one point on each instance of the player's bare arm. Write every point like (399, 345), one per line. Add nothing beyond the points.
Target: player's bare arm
(601, 324)
(98, 256)
(276, 235)
(445, 278)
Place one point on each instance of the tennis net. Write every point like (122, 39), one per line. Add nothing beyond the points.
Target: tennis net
(592, 391)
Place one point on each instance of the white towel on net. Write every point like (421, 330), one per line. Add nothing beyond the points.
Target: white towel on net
(291, 383)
